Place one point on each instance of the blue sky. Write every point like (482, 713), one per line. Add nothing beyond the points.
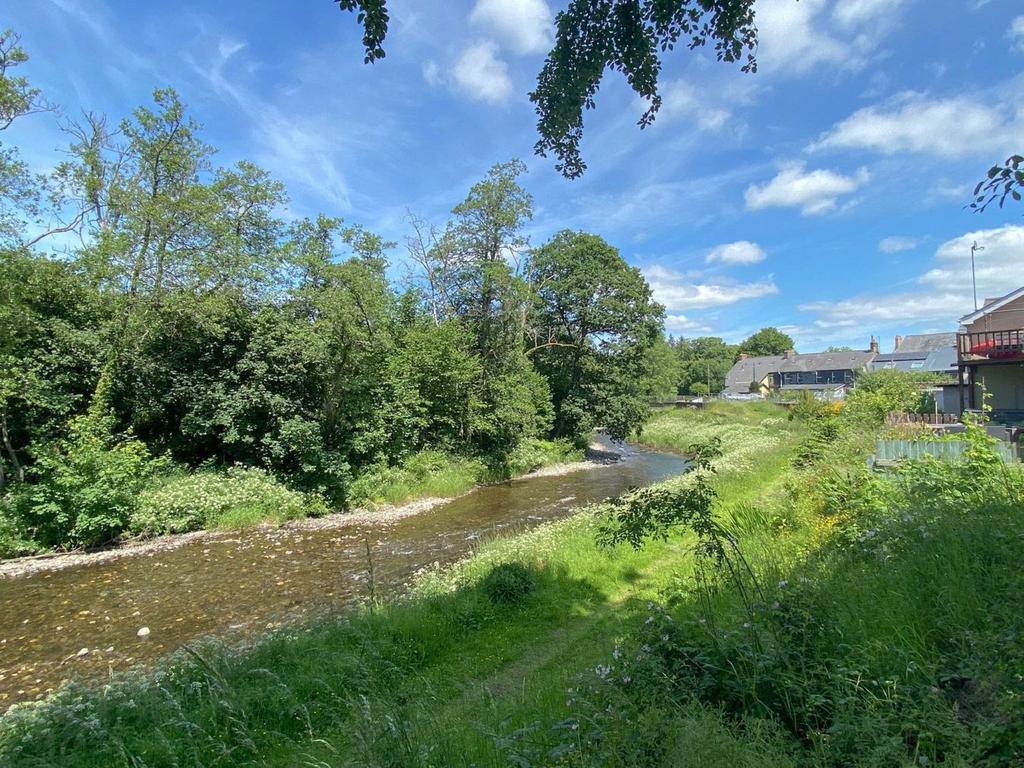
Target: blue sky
(824, 194)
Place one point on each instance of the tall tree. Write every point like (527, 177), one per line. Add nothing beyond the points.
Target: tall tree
(473, 272)
(23, 194)
(767, 341)
(594, 328)
(594, 36)
(703, 364)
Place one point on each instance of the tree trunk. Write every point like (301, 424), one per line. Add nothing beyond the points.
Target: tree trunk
(19, 471)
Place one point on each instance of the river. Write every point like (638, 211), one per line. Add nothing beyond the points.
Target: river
(84, 621)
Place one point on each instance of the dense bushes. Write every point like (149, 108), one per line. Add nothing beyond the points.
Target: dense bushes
(239, 497)
(87, 486)
(891, 642)
(508, 583)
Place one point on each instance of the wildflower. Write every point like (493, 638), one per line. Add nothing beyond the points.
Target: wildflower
(616, 652)
(775, 605)
(783, 584)
(626, 679)
(602, 671)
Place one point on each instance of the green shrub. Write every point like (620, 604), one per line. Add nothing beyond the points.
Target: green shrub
(13, 540)
(85, 486)
(509, 583)
(878, 393)
(240, 497)
(422, 475)
(533, 454)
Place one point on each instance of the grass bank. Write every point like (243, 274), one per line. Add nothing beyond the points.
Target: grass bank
(855, 620)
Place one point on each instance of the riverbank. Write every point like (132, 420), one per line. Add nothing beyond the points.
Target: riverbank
(597, 455)
(865, 629)
(436, 625)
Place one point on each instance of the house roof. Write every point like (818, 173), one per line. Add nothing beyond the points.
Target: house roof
(942, 360)
(889, 357)
(934, 352)
(926, 342)
(738, 379)
(827, 361)
(756, 368)
(992, 306)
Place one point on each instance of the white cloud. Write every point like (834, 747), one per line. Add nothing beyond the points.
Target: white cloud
(681, 99)
(852, 13)
(813, 192)
(678, 292)
(898, 243)
(914, 123)
(944, 293)
(300, 149)
(684, 324)
(788, 38)
(432, 73)
(999, 267)
(1016, 34)
(740, 252)
(798, 37)
(482, 75)
(525, 26)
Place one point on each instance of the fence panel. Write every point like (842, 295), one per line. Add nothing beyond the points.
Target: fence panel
(892, 451)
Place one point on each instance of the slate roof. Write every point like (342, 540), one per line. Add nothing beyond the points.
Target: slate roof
(935, 352)
(926, 342)
(737, 380)
(827, 361)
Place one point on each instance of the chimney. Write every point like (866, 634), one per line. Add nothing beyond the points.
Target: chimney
(789, 354)
(744, 355)
(896, 346)
(874, 345)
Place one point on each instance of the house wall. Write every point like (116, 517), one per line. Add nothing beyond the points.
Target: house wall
(1008, 318)
(1005, 383)
(947, 399)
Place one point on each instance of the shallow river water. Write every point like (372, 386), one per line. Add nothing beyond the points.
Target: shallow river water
(83, 621)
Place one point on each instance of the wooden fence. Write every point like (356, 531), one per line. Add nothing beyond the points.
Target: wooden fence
(889, 452)
(932, 419)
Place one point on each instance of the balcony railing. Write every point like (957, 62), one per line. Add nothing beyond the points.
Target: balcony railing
(991, 345)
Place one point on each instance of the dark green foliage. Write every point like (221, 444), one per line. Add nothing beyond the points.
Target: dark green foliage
(767, 341)
(195, 325)
(508, 583)
(1001, 181)
(595, 329)
(87, 485)
(895, 643)
(703, 364)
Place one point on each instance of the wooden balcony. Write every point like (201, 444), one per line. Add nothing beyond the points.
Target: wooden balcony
(990, 346)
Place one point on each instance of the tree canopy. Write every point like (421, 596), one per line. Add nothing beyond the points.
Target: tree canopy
(767, 341)
(194, 328)
(593, 37)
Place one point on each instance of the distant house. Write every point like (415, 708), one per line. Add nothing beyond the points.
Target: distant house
(925, 352)
(827, 374)
(990, 357)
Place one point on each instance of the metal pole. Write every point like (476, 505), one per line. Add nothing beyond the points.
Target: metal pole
(974, 279)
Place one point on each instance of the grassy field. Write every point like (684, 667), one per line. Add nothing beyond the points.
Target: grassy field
(851, 624)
